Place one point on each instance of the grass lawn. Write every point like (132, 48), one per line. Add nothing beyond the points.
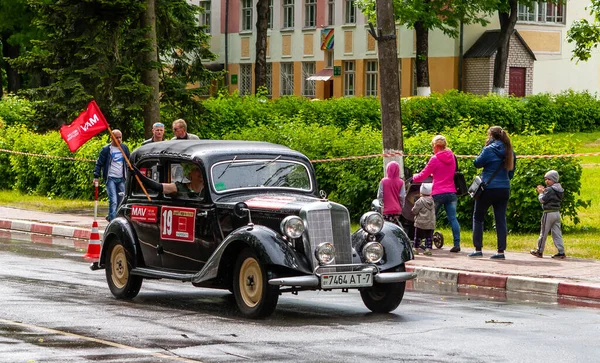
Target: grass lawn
(582, 240)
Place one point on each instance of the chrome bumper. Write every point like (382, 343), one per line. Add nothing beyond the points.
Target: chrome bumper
(313, 281)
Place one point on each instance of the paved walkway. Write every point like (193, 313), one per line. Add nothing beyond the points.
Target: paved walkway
(572, 277)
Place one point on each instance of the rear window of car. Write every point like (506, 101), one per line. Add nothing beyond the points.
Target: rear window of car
(151, 170)
(237, 174)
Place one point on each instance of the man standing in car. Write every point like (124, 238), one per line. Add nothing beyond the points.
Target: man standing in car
(180, 131)
(111, 165)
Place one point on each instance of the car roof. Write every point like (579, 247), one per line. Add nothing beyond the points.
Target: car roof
(211, 151)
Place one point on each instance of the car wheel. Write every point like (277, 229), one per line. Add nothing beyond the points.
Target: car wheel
(253, 294)
(383, 298)
(122, 284)
(438, 239)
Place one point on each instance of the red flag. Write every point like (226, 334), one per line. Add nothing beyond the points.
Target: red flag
(87, 125)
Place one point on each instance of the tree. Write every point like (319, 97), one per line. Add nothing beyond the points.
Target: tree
(150, 78)
(426, 15)
(585, 34)
(260, 65)
(100, 49)
(16, 31)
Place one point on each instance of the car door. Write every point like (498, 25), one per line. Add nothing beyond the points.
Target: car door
(187, 223)
(143, 214)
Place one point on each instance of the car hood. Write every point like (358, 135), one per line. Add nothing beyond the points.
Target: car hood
(275, 202)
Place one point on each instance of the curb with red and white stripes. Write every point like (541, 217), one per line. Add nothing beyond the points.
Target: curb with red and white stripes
(560, 288)
(46, 229)
(54, 234)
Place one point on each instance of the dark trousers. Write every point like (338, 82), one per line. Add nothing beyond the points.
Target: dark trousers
(498, 199)
(423, 234)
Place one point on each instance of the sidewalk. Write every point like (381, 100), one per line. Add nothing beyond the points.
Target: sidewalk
(571, 277)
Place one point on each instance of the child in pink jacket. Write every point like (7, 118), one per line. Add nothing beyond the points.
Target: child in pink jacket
(391, 193)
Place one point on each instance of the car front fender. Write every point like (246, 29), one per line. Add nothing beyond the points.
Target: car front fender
(120, 229)
(394, 240)
(269, 247)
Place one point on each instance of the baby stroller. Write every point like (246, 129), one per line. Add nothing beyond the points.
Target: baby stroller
(407, 220)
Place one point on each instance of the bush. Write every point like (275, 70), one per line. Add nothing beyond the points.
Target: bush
(354, 182)
(16, 110)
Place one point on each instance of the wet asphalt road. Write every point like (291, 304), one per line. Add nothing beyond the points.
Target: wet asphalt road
(54, 309)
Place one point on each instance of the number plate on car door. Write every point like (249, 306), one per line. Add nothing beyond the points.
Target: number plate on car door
(346, 280)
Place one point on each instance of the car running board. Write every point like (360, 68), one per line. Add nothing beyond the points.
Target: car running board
(150, 273)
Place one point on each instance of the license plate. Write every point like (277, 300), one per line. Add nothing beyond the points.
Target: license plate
(346, 280)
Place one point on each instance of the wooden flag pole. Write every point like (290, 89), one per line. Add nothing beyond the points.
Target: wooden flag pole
(128, 162)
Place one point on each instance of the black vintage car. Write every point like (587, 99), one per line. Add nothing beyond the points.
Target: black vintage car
(258, 228)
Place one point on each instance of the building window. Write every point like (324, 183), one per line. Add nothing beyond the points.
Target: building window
(542, 12)
(331, 12)
(288, 13)
(329, 59)
(350, 12)
(269, 79)
(349, 78)
(205, 15)
(270, 15)
(310, 13)
(371, 79)
(245, 79)
(308, 87)
(525, 13)
(246, 14)
(287, 79)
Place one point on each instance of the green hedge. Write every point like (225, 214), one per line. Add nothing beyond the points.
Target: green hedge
(354, 182)
(56, 175)
(568, 111)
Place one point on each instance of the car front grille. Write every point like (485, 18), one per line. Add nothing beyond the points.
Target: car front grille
(328, 222)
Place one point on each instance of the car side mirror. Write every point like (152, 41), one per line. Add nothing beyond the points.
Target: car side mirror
(241, 210)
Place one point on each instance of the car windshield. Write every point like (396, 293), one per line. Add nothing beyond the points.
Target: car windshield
(267, 173)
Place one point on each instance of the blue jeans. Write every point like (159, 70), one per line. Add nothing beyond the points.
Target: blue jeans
(498, 199)
(115, 187)
(448, 200)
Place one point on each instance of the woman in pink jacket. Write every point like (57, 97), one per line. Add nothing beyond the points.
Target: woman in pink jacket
(441, 167)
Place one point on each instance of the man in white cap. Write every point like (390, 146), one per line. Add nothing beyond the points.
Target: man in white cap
(550, 197)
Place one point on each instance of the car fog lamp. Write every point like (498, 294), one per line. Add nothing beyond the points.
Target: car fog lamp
(373, 252)
(325, 253)
(292, 226)
(372, 222)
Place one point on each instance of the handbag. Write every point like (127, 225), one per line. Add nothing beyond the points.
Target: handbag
(478, 186)
(459, 181)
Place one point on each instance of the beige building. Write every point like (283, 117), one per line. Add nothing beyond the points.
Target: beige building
(322, 48)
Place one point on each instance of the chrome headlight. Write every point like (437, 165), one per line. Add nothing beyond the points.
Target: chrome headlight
(292, 226)
(325, 253)
(372, 222)
(373, 252)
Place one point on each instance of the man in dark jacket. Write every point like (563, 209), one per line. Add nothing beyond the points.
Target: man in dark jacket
(113, 168)
(550, 197)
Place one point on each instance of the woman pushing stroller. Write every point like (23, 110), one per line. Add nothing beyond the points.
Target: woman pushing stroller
(441, 167)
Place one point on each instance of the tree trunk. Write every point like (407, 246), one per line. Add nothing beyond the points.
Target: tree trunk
(260, 65)
(150, 77)
(13, 78)
(422, 59)
(507, 28)
(391, 117)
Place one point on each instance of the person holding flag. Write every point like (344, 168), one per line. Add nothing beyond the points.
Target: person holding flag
(111, 165)
(111, 162)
